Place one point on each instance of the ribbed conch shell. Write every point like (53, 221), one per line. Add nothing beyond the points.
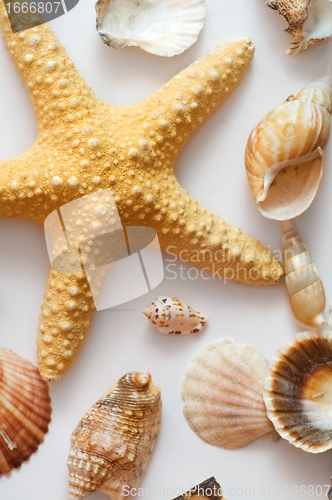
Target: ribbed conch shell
(174, 317)
(284, 157)
(164, 28)
(298, 391)
(310, 21)
(209, 489)
(112, 444)
(222, 392)
(305, 288)
(25, 410)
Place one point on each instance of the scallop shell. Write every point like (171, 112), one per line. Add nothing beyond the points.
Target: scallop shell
(171, 315)
(164, 28)
(223, 394)
(305, 288)
(25, 410)
(310, 21)
(209, 489)
(112, 444)
(298, 391)
(284, 157)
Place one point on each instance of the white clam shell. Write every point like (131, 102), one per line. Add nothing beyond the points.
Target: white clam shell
(284, 152)
(222, 392)
(174, 317)
(305, 288)
(164, 28)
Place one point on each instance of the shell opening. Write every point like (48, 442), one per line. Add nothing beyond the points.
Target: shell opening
(318, 24)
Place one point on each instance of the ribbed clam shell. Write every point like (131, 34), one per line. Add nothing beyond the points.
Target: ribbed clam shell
(174, 317)
(112, 444)
(298, 392)
(209, 489)
(284, 157)
(305, 288)
(164, 28)
(25, 410)
(222, 392)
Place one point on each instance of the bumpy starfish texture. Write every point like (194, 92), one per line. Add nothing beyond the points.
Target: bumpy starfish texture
(85, 145)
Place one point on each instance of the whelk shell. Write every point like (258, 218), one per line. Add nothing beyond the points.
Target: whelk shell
(298, 391)
(223, 394)
(174, 317)
(305, 288)
(284, 157)
(209, 489)
(164, 28)
(25, 410)
(112, 444)
(309, 21)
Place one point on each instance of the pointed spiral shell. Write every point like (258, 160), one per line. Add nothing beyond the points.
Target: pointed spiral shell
(284, 157)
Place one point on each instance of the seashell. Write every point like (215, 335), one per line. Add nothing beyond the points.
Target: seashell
(284, 157)
(305, 288)
(209, 489)
(25, 410)
(310, 21)
(112, 444)
(171, 315)
(165, 28)
(298, 393)
(223, 394)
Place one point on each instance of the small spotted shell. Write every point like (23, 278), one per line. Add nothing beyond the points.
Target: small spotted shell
(174, 317)
(112, 444)
(25, 410)
(209, 489)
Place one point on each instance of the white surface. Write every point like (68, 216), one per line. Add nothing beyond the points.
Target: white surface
(211, 168)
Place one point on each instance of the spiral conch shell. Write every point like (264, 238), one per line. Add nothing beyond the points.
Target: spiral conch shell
(25, 410)
(222, 392)
(305, 288)
(112, 444)
(174, 317)
(284, 157)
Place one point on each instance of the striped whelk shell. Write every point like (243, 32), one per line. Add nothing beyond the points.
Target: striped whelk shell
(112, 444)
(25, 410)
(284, 153)
(174, 317)
(222, 392)
(305, 288)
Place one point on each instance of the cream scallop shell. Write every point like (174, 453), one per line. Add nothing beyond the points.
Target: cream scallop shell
(309, 21)
(174, 317)
(298, 392)
(25, 410)
(284, 157)
(164, 28)
(222, 392)
(112, 444)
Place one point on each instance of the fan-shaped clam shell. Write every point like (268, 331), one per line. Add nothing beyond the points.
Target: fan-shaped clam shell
(112, 444)
(284, 157)
(174, 317)
(223, 394)
(305, 288)
(164, 28)
(25, 410)
(298, 392)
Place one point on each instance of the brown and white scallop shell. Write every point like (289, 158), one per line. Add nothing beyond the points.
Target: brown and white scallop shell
(25, 410)
(112, 444)
(298, 391)
(223, 394)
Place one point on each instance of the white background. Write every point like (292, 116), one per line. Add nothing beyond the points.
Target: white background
(211, 167)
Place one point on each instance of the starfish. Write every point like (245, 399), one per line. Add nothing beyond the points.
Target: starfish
(85, 145)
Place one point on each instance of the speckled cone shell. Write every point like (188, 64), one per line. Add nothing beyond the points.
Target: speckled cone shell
(209, 489)
(300, 15)
(164, 28)
(112, 444)
(174, 317)
(298, 393)
(85, 145)
(284, 157)
(25, 410)
(304, 286)
(222, 392)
